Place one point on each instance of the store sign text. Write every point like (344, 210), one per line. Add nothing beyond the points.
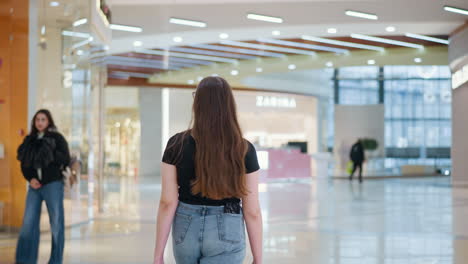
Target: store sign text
(277, 102)
(460, 77)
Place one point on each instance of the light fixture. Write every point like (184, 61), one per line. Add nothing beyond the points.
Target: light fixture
(417, 60)
(43, 30)
(80, 22)
(390, 29)
(185, 55)
(332, 30)
(265, 18)
(387, 41)
(177, 39)
(215, 75)
(75, 34)
(302, 45)
(342, 43)
(126, 28)
(54, 4)
(223, 36)
(371, 62)
(265, 47)
(234, 72)
(329, 64)
(292, 66)
(79, 52)
(238, 50)
(361, 14)
(199, 78)
(187, 22)
(190, 81)
(259, 69)
(427, 38)
(276, 33)
(212, 53)
(456, 10)
(137, 43)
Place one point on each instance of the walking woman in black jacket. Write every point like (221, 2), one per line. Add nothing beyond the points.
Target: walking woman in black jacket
(43, 156)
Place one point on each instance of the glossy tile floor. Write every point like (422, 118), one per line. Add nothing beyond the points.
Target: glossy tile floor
(394, 221)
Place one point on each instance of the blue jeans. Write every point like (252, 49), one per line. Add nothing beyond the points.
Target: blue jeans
(28, 242)
(206, 235)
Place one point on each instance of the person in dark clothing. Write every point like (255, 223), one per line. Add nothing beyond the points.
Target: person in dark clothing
(357, 156)
(43, 156)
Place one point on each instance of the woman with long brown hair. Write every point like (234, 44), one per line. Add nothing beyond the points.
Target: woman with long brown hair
(210, 185)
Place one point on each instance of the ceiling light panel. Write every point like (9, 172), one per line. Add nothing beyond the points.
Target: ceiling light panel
(302, 45)
(265, 47)
(427, 38)
(126, 28)
(80, 22)
(342, 43)
(387, 41)
(141, 61)
(187, 22)
(212, 53)
(265, 18)
(456, 10)
(185, 55)
(239, 50)
(176, 59)
(361, 15)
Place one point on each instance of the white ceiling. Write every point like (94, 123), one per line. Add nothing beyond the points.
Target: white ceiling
(311, 17)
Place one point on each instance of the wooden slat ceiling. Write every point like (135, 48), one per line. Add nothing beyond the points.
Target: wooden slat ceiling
(142, 65)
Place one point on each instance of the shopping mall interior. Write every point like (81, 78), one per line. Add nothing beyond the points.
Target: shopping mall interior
(309, 77)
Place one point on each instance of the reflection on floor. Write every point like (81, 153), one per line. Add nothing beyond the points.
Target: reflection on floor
(408, 221)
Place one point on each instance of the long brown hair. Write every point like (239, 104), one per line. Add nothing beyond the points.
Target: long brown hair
(221, 149)
(51, 126)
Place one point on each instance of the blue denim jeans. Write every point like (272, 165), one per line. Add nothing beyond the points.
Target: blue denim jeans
(28, 242)
(206, 235)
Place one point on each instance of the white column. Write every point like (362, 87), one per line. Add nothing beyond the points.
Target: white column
(151, 120)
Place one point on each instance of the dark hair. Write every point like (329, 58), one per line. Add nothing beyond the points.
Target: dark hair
(221, 149)
(51, 126)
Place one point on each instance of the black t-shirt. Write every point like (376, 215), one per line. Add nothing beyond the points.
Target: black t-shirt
(186, 169)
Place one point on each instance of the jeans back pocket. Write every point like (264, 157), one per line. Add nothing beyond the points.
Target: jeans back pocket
(180, 227)
(231, 227)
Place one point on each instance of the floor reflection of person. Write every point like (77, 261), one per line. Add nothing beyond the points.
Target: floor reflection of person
(207, 171)
(43, 155)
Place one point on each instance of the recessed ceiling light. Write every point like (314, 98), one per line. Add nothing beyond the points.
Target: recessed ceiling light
(259, 69)
(417, 60)
(223, 36)
(292, 66)
(390, 29)
(137, 43)
(177, 39)
(342, 43)
(456, 10)
(329, 64)
(361, 15)
(265, 18)
(80, 22)
(332, 30)
(215, 75)
(417, 36)
(234, 72)
(75, 34)
(199, 78)
(190, 81)
(79, 52)
(126, 28)
(371, 62)
(276, 33)
(387, 41)
(54, 4)
(187, 22)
